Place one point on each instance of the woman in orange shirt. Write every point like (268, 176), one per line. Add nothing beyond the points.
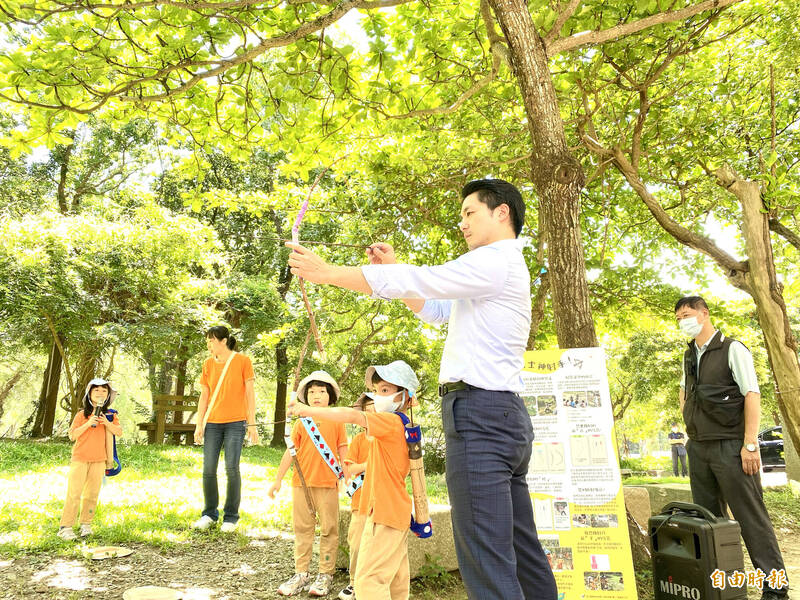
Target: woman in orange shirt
(88, 464)
(231, 416)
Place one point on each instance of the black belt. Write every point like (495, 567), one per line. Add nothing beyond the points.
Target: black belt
(453, 386)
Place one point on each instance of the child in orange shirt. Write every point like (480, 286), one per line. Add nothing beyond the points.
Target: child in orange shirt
(384, 500)
(355, 467)
(89, 456)
(319, 446)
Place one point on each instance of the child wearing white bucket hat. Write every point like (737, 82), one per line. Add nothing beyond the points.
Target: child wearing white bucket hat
(89, 456)
(384, 500)
(321, 445)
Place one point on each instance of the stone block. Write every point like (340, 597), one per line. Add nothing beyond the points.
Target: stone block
(664, 493)
(637, 503)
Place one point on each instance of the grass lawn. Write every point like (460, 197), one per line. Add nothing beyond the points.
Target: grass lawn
(154, 498)
(151, 503)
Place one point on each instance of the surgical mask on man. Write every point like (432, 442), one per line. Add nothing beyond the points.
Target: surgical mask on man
(690, 327)
(387, 403)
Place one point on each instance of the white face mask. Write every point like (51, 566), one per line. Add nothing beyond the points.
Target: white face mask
(690, 327)
(387, 403)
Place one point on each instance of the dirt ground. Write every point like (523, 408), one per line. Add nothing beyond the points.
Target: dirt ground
(220, 568)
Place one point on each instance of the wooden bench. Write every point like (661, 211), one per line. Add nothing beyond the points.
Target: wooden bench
(177, 405)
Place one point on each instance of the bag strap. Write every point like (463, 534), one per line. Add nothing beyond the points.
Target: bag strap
(217, 389)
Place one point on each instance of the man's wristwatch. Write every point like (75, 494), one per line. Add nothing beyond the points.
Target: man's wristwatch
(750, 447)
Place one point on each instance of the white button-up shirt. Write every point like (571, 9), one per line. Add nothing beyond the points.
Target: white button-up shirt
(485, 297)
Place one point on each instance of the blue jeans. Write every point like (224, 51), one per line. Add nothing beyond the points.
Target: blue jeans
(231, 437)
(489, 436)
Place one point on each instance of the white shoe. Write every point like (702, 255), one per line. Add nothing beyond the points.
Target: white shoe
(347, 593)
(297, 583)
(321, 586)
(86, 529)
(203, 523)
(228, 527)
(66, 533)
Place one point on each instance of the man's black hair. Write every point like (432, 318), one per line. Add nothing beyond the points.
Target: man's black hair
(695, 302)
(493, 193)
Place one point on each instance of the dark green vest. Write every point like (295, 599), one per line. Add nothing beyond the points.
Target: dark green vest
(714, 406)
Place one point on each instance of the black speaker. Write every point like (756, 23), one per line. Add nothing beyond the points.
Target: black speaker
(689, 544)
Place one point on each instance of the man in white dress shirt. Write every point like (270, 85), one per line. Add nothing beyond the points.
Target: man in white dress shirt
(484, 295)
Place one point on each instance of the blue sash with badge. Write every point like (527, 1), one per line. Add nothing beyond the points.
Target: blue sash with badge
(354, 484)
(325, 451)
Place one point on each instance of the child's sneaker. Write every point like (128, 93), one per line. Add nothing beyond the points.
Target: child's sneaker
(203, 523)
(321, 586)
(66, 533)
(86, 529)
(347, 593)
(297, 583)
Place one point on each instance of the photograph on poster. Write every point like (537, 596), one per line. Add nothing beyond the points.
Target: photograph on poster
(592, 520)
(574, 400)
(531, 405)
(603, 580)
(560, 558)
(546, 405)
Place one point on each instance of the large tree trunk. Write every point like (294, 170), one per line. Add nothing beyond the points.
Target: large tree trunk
(763, 286)
(282, 374)
(48, 396)
(86, 369)
(281, 357)
(180, 390)
(556, 175)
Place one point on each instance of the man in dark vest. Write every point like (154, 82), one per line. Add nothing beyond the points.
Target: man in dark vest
(721, 407)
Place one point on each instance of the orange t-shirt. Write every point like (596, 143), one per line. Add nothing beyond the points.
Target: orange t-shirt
(91, 445)
(357, 453)
(315, 471)
(231, 404)
(385, 496)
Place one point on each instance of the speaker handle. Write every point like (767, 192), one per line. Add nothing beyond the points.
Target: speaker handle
(702, 511)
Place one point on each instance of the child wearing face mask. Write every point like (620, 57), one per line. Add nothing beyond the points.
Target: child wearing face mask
(355, 466)
(320, 443)
(89, 456)
(385, 502)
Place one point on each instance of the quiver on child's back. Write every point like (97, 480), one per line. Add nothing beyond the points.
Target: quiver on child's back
(421, 525)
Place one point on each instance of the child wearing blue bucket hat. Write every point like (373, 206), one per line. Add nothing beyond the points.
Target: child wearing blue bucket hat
(90, 454)
(384, 500)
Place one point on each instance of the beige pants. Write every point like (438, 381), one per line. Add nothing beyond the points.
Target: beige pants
(327, 502)
(354, 532)
(385, 575)
(83, 489)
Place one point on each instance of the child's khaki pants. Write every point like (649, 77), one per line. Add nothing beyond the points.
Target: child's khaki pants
(327, 502)
(385, 575)
(83, 489)
(354, 532)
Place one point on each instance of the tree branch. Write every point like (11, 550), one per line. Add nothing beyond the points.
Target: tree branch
(562, 18)
(785, 232)
(591, 38)
(499, 52)
(734, 269)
